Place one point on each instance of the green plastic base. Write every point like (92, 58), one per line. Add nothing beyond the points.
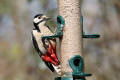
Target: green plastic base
(64, 78)
(68, 78)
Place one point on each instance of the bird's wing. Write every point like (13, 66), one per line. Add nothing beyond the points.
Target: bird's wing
(36, 45)
(50, 66)
(50, 28)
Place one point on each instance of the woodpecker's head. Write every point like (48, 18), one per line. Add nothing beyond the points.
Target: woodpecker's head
(40, 20)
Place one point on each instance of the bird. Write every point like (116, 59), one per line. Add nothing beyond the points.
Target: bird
(46, 49)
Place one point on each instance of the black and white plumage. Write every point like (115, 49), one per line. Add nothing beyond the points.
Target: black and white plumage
(40, 29)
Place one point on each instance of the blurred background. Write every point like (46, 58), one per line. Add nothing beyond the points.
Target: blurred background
(18, 58)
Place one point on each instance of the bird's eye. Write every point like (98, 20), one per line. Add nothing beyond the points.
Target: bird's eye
(39, 17)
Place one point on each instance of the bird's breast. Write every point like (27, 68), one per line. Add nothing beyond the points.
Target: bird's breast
(45, 31)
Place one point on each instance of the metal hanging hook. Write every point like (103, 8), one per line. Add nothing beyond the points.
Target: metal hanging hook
(88, 35)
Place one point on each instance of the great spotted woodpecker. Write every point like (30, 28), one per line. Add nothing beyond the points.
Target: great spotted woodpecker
(46, 48)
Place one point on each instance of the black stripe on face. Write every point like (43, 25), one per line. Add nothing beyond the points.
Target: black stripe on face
(36, 26)
(45, 19)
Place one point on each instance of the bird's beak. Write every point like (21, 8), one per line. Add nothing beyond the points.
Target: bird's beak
(47, 18)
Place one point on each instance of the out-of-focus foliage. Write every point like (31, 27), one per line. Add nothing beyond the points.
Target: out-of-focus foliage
(5, 6)
(18, 58)
(102, 55)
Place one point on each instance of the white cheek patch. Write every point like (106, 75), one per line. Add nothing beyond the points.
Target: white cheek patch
(36, 20)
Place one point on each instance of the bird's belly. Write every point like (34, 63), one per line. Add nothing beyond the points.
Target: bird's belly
(39, 41)
(44, 32)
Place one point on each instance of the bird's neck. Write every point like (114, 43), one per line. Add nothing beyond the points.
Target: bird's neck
(41, 24)
(38, 26)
